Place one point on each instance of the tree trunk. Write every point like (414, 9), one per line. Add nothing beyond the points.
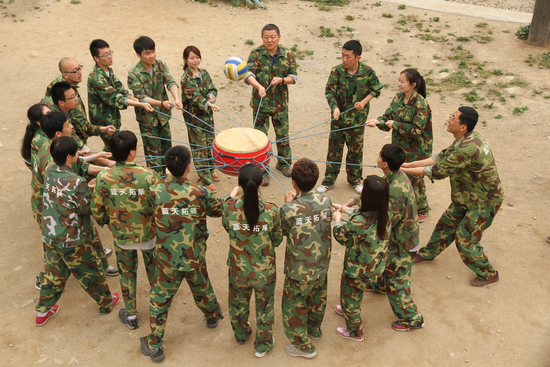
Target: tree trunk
(539, 34)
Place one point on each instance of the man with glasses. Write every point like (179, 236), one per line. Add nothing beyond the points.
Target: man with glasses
(476, 195)
(106, 94)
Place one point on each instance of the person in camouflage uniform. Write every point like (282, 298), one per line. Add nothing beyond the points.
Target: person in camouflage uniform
(106, 94)
(198, 95)
(476, 195)
(180, 216)
(34, 135)
(66, 227)
(305, 219)
(409, 117)
(366, 239)
(71, 72)
(122, 199)
(147, 79)
(350, 84)
(271, 68)
(254, 228)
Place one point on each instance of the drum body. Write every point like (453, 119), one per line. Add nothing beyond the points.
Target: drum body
(233, 148)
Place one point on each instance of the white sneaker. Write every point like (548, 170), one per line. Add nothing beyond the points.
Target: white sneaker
(261, 354)
(358, 188)
(324, 188)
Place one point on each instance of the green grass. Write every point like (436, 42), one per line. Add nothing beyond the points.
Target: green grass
(498, 117)
(325, 32)
(402, 6)
(249, 42)
(387, 15)
(378, 3)
(463, 39)
(543, 60)
(520, 110)
(455, 81)
(472, 96)
(481, 25)
(523, 32)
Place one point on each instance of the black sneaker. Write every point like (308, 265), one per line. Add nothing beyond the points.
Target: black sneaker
(266, 180)
(38, 285)
(132, 324)
(212, 323)
(156, 354)
(286, 171)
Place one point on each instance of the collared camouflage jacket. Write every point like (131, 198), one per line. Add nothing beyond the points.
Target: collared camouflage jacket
(106, 96)
(180, 214)
(122, 199)
(195, 90)
(472, 169)
(89, 128)
(306, 221)
(37, 141)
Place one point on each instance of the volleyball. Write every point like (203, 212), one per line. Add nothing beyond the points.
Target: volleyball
(235, 68)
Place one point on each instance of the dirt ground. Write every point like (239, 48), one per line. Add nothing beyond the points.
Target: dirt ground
(505, 324)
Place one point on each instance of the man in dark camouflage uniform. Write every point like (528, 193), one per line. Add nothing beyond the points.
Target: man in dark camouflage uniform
(476, 195)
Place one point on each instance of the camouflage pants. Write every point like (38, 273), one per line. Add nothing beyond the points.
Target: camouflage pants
(80, 261)
(202, 148)
(419, 187)
(279, 119)
(466, 227)
(156, 147)
(98, 246)
(353, 139)
(166, 284)
(351, 296)
(127, 262)
(240, 291)
(304, 305)
(396, 283)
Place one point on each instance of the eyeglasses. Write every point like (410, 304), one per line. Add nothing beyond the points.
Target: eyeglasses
(108, 54)
(451, 118)
(75, 71)
(74, 98)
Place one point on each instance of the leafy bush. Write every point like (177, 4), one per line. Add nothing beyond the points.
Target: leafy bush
(523, 32)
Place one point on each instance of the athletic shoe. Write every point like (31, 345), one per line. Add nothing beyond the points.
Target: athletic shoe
(315, 336)
(338, 309)
(38, 285)
(215, 177)
(482, 283)
(358, 188)
(51, 312)
(286, 171)
(212, 188)
(291, 350)
(116, 298)
(419, 259)
(398, 326)
(324, 188)
(156, 354)
(261, 354)
(422, 218)
(344, 333)
(111, 271)
(108, 252)
(132, 324)
(212, 323)
(266, 180)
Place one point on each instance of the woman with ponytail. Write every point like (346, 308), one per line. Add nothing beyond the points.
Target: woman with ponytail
(34, 136)
(254, 228)
(409, 117)
(365, 236)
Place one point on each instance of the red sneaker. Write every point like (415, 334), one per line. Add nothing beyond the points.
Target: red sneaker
(51, 312)
(116, 298)
(215, 177)
(398, 326)
(344, 333)
(422, 218)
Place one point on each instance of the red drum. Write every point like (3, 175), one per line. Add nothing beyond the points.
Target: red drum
(236, 147)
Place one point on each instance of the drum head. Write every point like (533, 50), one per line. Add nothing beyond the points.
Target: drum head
(241, 140)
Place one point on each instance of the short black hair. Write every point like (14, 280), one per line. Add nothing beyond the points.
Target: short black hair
(177, 160)
(53, 122)
(143, 43)
(393, 155)
(61, 148)
(121, 144)
(95, 45)
(305, 173)
(468, 116)
(58, 91)
(271, 27)
(353, 46)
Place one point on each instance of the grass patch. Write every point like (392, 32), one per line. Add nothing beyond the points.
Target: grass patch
(429, 37)
(387, 15)
(520, 110)
(543, 60)
(249, 42)
(481, 25)
(455, 81)
(498, 117)
(402, 6)
(471, 96)
(463, 39)
(325, 32)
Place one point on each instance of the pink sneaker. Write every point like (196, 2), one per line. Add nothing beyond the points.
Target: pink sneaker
(51, 312)
(422, 218)
(344, 333)
(338, 310)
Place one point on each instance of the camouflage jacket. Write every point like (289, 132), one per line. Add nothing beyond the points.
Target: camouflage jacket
(89, 127)
(260, 66)
(180, 214)
(365, 253)
(306, 221)
(66, 218)
(106, 96)
(344, 90)
(121, 198)
(412, 126)
(77, 116)
(37, 141)
(42, 159)
(194, 93)
(144, 86)
(405, 230)
(252, 250)
(471, 167)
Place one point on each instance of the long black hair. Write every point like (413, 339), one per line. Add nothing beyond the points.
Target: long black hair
(34, 114)
(414, 77)
(375, 196)
(250, 179)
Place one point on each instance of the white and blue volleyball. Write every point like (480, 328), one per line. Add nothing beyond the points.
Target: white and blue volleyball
(235, 68)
